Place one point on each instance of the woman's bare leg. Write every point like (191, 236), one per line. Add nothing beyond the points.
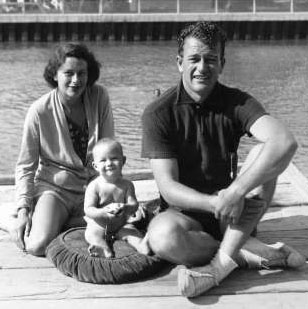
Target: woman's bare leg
(48, 219)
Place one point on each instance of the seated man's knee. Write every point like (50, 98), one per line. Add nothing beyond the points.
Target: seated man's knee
(179, 243)
(163, 234)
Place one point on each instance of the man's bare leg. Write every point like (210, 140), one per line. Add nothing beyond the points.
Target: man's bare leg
(195, 282)
(180, 239)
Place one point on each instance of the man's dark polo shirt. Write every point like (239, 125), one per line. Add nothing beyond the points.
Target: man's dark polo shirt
(202, 137)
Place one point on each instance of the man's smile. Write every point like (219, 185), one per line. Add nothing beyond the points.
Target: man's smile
(201, 77)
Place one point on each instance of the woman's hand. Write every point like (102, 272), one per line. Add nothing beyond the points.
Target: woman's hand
(21, 228)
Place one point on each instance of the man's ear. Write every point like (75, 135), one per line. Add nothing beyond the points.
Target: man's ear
(124, 160)
(222, 61)
(179, 61)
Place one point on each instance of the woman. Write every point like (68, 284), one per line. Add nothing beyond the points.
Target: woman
(54, 164)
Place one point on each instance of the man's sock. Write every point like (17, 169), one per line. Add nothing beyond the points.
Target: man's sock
(247, 259)
(193, 282)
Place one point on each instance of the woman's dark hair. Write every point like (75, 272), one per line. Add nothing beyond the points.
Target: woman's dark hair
(208, 32)
(75, 50)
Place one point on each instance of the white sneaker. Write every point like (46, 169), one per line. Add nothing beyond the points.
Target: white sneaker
(193, 283)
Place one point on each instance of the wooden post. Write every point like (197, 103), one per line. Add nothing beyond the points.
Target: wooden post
(100, 7)
(11, 32)
(23, 7)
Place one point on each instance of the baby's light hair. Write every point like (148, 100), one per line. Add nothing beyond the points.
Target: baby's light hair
(107, 141)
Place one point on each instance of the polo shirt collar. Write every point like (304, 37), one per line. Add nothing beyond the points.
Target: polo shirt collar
(213, 100)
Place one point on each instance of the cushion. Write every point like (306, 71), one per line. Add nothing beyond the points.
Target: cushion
(69, 253)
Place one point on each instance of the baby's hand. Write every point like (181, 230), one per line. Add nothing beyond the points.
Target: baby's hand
(114, 208)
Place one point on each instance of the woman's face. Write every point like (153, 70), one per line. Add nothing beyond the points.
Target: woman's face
(72, 77)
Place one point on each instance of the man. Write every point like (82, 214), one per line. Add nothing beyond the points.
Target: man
(191, 134)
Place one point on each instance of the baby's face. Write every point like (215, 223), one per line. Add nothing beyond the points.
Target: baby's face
(108, 161)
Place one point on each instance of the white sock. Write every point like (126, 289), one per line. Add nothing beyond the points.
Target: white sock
(223, 264)
(252, 260)
(195, 282)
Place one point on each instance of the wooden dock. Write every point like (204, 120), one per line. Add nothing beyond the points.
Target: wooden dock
(30, 282)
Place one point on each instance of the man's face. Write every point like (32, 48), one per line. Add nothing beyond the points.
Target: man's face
(200, 66)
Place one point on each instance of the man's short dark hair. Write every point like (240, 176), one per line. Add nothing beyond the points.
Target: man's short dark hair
(208, 32)
(76, 50)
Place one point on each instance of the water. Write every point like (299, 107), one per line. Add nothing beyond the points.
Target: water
(274, 72)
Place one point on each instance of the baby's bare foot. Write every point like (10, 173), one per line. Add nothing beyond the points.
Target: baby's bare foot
(144, 246)
(96, 251)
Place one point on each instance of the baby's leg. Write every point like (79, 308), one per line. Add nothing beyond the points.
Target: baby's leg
(135, 238)
(98, 246)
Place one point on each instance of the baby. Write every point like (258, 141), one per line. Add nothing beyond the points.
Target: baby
(110, 201)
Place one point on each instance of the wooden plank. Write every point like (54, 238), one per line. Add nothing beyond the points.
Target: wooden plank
(287, 195)
(264, 301)
(140, 174)
(284, 218)
(13, 258)
(292, 187)
(297, 239)
(298, 180)
(287, 224)
(50, 284)
(256, 301)
(7, 180)
(27, 280)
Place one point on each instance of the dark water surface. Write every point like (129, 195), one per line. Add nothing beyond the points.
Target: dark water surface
(274, 72)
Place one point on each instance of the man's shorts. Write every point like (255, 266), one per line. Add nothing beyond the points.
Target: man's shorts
(208, 222)
(212, 226)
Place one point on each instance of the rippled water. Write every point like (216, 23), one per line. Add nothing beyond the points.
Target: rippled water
(274, 72)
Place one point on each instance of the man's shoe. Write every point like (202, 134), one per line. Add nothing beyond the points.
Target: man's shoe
(194, 283)
(292, 258)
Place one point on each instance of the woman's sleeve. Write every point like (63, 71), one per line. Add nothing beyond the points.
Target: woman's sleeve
(106, 120)
(27, 162)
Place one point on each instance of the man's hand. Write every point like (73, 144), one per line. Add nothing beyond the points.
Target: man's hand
(22, 228)
(228, 206)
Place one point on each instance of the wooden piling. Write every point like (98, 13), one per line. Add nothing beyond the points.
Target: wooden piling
(146, 30)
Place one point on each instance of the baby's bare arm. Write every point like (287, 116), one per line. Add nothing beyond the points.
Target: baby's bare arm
(131, 204)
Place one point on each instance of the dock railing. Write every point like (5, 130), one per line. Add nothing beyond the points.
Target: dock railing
(151, 6)
(140, 20)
